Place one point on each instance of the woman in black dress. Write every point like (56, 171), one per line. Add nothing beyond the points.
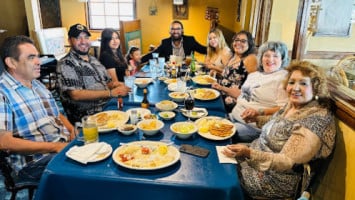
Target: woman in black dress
(111, 55)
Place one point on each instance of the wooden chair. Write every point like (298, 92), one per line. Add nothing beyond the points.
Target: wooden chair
(11, 184)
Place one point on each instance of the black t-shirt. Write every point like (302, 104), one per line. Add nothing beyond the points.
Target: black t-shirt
(110, 62)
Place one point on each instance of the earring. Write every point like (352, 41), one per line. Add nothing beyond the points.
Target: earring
(316, 97)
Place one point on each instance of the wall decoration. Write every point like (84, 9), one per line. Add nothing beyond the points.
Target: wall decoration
(153, 9)
(181, 11)
(50, 13)
(212, 14)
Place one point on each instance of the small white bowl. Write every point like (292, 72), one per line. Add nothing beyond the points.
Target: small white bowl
(166, 105)
(178, 96)
(167, 115)
(184, 130)
(150, 126)
(142, 82)
(127, 129)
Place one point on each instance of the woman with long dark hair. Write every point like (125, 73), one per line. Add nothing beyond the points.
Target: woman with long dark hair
(242, 63)
(111, 55)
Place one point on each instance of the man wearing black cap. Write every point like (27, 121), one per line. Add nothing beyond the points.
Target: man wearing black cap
(85, 86)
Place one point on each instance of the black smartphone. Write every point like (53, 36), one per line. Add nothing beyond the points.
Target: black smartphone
(194, 150)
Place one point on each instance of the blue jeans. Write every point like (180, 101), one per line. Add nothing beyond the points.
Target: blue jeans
(32, 172)
(245, 133)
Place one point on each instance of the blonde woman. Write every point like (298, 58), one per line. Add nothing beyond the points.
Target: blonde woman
(218, 52)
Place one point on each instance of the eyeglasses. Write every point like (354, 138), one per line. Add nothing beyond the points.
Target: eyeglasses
(241, 41)
(175, 29)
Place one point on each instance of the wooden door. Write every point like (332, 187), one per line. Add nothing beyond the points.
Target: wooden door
(130, 34)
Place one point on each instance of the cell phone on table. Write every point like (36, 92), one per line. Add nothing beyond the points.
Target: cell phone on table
(194, 150)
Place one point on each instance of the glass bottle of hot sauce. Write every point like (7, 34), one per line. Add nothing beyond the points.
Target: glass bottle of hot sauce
(120, 103)
(145, 102)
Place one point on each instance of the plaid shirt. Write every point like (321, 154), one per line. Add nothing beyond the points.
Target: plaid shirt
(30, 114)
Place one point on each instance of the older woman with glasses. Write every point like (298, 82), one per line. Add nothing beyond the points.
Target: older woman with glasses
(243, 62)
(262, 92)
(302, 131)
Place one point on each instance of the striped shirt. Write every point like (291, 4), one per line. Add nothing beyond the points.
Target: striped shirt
(30, 114)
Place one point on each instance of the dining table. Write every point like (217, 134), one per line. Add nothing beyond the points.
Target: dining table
(192, 177)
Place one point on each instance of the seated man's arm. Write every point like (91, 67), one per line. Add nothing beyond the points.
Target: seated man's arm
(82, 95)
(67, 125)
(12, 144)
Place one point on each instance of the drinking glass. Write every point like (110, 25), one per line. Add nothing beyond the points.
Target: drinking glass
(155, 55)
(189, 103)
(161, 63)
(153, 67)
(129, 82)
(133, 117)
(90, 130)
(188, 60)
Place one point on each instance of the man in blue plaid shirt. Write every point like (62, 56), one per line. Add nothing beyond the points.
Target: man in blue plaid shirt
(31, 127)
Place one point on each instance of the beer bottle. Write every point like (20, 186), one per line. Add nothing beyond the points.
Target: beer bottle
(192, 65)
(145, 102)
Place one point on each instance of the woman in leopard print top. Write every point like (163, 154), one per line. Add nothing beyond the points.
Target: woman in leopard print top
(302, 131)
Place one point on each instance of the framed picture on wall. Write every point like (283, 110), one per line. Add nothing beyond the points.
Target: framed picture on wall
(181, 11)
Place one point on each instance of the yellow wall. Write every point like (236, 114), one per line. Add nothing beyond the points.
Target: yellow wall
(282, 28)
(13, 18)
(155, 28)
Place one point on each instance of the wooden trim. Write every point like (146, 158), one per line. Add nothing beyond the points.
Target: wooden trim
(299, 41)
(332, 55)
(261, 20)
(345, 112)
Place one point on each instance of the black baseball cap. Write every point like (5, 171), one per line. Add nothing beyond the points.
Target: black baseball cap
(76, 29)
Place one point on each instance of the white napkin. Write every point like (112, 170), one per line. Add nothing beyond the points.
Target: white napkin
(88, 152)
(222, 158)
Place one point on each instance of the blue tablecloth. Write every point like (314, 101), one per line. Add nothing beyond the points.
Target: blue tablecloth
(191, 178)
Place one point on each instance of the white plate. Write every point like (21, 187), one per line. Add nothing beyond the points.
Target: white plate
(207, 134)
(146, 161)
(205, 94)
(140, 112)
(166, 105)
(202, 112)
(170, 80)
(115, 119)
(96, 157)
(203, 79)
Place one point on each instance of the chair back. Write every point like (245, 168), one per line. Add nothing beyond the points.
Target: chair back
(53, 41)
(6, 171)
(10, 184)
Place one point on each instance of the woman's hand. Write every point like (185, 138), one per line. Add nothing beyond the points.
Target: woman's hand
(216, 86)
(237, 150)
(249, 115)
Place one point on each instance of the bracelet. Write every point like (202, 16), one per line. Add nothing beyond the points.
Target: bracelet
(261, 111)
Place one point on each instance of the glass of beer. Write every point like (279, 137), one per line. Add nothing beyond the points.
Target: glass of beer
(188, 60)
(89, 129)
